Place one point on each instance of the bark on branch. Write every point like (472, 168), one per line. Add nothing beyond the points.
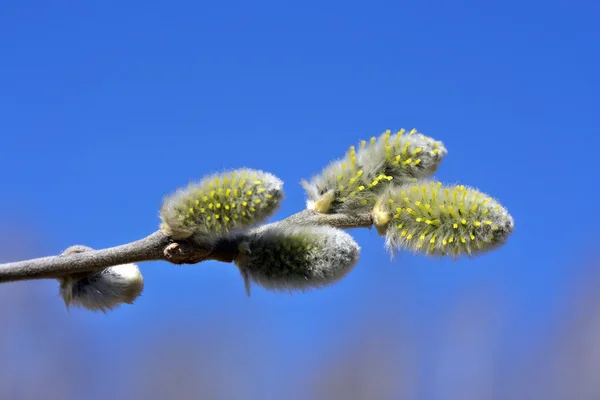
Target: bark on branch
(157, 246)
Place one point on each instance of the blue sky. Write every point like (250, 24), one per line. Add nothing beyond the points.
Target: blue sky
(105, 107)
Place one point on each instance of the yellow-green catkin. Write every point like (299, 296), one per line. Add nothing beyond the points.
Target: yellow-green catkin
(221, 203)
(435, 219)
(288, 258)
(353, 183)
(406, 156)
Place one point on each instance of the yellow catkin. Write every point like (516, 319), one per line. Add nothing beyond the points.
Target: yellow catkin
(440, 214)
(399, 159)
(188, 211)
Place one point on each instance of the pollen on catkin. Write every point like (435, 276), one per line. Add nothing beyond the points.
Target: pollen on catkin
(103, 290)
(221, 203)
(405, 156)
(288, 258)
(353, 182)
(435, 219)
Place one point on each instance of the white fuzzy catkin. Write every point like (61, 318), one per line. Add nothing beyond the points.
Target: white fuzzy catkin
(103, 290)
(430, 218)
(288, 258)
(352, 183)
(221, 203)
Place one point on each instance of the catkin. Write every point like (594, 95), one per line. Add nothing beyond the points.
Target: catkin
(434, 219)
(297, 258)
(221, 203)
(354, 182)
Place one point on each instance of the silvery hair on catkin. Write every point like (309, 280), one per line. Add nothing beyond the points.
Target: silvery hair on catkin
(289, 258)
(103, 290)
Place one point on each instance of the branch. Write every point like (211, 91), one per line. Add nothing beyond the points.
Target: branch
(157, 246)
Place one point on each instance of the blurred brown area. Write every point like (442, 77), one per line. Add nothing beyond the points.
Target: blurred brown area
(45, 353)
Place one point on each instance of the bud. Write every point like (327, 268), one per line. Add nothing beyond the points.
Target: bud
(221, 203)
(288, 258)
(442, 220)
(353, 183)
(103, 290)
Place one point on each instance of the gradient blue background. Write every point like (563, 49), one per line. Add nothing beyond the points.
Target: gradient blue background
(105, 107)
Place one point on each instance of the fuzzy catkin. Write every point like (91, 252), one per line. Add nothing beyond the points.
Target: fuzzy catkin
(434, 219)
(103, 290)
(405, 156)
(221, 203)
(288, 258)
(352, 183)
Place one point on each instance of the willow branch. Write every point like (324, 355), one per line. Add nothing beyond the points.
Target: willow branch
(157, 247)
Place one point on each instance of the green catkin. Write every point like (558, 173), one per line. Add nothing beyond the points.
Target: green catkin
(433, 219)
(221, 203)
(353, 183)
(288, 258)
(103, 290)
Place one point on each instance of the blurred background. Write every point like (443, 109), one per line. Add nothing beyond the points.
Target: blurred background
(106, 107)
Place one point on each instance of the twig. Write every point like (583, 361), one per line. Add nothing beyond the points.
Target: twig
(157, 246)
